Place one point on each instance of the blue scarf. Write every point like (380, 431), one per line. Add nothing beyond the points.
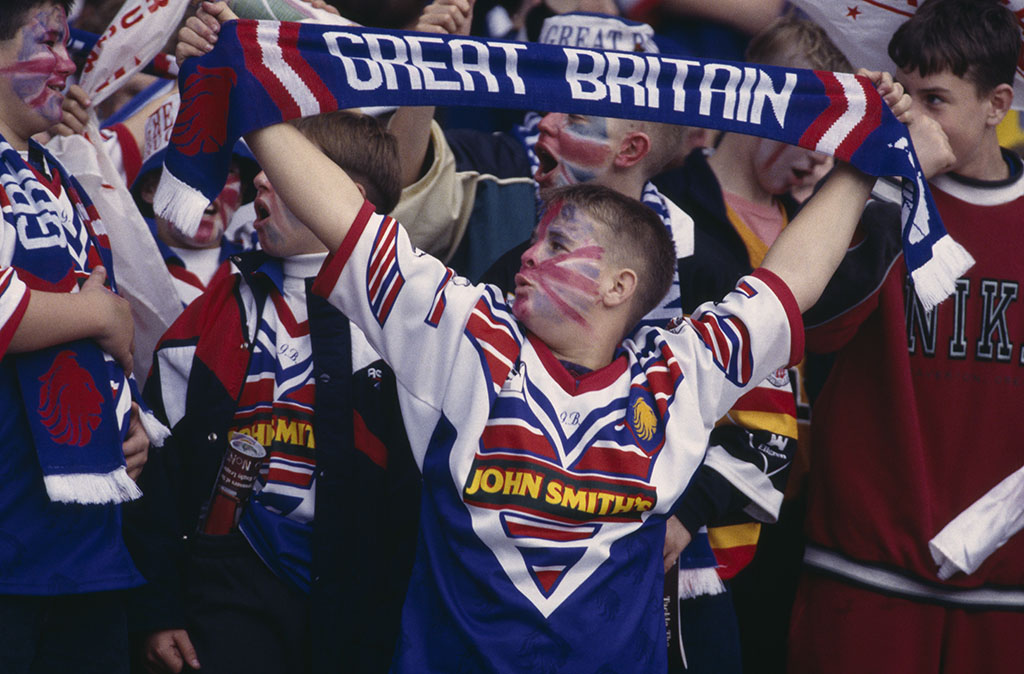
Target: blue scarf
(264, 72)
(75, 401)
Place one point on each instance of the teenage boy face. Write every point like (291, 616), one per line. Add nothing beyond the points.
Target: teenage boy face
(780, 167)
(34, 67)
(573, 148)
(281, 234)
(560, 278)
(954, 103)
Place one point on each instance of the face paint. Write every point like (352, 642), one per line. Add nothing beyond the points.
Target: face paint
(781, 167)
(43, 65)
(281, 234)
(572, 149)
(560, 271)
(218, 214)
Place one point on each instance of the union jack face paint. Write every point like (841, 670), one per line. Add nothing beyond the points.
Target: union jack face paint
(572, 149)
(560, 272)
(38, 72)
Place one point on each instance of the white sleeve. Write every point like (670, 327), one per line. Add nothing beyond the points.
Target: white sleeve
(737, 342)
(13, 291)
(432, 327)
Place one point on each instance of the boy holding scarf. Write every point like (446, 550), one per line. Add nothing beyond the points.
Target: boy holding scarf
(548, 472)
(887, 478)
(68, 420)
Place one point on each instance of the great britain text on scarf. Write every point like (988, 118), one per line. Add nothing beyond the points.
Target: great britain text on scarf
(264, 72)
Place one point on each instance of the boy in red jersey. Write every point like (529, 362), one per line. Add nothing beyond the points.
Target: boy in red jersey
(914, 423)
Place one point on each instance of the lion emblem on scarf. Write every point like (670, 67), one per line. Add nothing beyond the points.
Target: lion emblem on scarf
(202, 125)
(69, 401)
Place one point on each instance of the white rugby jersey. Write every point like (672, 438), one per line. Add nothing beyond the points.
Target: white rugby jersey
(545, 494)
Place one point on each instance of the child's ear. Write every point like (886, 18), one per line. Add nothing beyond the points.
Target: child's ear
(362, 190)
(999, 100)
(621, 287)
(634, 146)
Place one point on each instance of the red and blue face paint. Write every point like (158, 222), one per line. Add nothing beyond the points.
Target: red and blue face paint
(559, 277)
(43, 64)
(571, 149)
(780, 167)
(218, 214)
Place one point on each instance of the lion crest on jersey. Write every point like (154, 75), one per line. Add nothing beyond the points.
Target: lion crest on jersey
(644, 422)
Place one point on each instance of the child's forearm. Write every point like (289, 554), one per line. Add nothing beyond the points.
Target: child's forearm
(92, 313)
(411, 125)
(810, 248)
(40, 326)
(316, 190)
(411, 128)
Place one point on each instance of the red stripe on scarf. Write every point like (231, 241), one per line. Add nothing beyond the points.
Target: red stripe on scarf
(289, 41)
(837, 106)
(253, 52)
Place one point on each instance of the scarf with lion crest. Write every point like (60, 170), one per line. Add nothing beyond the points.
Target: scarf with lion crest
(76, 399)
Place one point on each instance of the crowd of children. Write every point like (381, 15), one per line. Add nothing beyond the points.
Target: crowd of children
(468, 390)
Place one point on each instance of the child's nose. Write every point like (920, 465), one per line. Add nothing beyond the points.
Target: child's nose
(65, 65)
(551, 122)
(529, 257)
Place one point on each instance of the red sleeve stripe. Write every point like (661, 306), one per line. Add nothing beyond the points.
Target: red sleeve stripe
(764, 399)
(796, 321)
(383, 256)
(437, 310)
(368, 443)
(330, 272)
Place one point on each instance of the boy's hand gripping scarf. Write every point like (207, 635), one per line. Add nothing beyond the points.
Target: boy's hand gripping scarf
(76, 400)
(261, 73)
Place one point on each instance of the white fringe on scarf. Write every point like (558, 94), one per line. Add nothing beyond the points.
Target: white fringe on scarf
(699, 582)
(92, 488)
(936, 279)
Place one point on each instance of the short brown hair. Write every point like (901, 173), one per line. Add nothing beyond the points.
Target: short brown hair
(666, 140)
(977, 40)
(12, 18)
(363, 147)
(636, 239)
(792, 41)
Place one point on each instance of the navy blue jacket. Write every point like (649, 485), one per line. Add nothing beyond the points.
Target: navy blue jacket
(368, 486)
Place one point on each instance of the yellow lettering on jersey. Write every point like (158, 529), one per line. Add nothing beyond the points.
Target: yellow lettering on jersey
(554, 494)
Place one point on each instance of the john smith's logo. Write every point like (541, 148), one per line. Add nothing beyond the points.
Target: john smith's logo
(69, 401)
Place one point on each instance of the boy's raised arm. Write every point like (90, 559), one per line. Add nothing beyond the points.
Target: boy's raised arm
(411, 125)
(318, 191)
(810, 248)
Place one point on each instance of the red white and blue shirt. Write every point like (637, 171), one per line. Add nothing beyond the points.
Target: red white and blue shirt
(50, 240)
(276, 408)
(545, 494)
